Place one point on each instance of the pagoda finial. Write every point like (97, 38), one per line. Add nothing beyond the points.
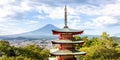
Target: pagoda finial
(65, 18)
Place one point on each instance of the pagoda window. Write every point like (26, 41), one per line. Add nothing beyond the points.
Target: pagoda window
(66, 36)
(66, 46)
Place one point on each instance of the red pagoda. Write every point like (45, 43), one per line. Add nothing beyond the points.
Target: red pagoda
(66, 49)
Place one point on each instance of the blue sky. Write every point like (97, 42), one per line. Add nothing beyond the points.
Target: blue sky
(92, 16)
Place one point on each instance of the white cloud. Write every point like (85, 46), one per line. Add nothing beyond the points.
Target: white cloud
(88, 10)
(56, 13)
(74, 24)
(41, 17)
(52, 12)
(9, 28)
(32, 22)
(9, 9)
(2, 20)
(105, 15)
(5, 11)
(16, 27)
(111, 10)
(101, 2)
(5, 2)
(102, 21)
(106, 20)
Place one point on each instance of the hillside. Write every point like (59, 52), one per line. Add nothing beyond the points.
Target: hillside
(44, 32)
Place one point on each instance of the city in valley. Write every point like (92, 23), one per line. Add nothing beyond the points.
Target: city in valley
(43, 43)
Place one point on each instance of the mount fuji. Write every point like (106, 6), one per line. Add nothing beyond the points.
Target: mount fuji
(45, 31)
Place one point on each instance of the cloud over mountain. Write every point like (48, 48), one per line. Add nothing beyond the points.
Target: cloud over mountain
(28, 15)
(45, 31)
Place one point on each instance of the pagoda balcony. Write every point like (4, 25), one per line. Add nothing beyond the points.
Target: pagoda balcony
(67, 42)
(67, 53)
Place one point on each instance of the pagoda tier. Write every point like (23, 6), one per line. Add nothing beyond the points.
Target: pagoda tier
(67, 42)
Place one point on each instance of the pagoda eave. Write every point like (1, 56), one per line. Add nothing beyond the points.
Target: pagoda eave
(67, 54)
(58, 32)
(66, 42)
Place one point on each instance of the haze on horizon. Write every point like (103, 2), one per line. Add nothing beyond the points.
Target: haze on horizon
(92, 16)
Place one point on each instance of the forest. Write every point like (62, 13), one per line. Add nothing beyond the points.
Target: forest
(103, 47)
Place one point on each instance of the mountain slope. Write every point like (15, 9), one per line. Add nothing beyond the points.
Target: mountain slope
(41, 32)
(46, 30)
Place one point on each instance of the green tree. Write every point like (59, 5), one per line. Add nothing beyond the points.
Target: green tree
(100, 48)
(77, 38)
(29, 52)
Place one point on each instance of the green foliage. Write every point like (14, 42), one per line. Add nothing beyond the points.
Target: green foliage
(77, 38)
(29, 52)
(97, 48)
(6, 49)
(100, 48)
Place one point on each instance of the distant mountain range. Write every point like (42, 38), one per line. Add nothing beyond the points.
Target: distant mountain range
(116, 39)
(43, 32)
(118, 34)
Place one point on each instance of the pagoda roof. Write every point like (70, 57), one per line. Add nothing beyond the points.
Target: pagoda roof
(67, 42)
(67, 52)
(67, 30)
